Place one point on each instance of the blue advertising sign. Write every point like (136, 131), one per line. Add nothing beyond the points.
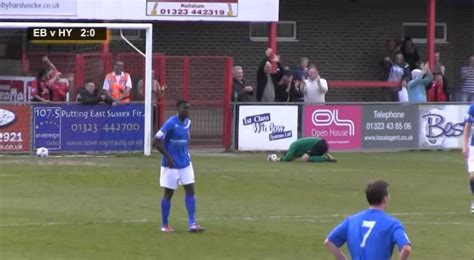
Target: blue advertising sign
(81, 128)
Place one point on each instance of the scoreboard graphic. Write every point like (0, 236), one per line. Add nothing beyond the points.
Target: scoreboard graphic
(209, 8)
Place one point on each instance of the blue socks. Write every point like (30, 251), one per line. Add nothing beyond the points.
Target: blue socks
(190, 201)
(165, 211)
(190, 207)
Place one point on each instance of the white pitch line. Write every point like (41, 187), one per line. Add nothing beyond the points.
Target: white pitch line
(312, 219)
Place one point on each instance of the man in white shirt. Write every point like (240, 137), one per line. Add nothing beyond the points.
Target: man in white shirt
(118, 83)
(316, 87)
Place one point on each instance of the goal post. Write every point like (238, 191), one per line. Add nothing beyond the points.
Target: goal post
(148, 27)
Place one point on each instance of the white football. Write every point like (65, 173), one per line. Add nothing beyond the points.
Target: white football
(42, 152)
(272, 157)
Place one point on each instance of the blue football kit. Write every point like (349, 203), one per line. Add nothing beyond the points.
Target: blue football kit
(370, 234)
(175, 136)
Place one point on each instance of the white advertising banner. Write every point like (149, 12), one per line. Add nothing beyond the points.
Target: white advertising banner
(442, 126)
(143, 10)
(267, 128)
(38, 8)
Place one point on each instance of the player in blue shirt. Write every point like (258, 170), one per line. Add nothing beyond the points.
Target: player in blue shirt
(468, 149)
(172, 141)
(370, 234)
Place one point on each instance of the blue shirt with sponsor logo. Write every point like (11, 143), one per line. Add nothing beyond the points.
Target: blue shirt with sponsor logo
(470, 119)
(370, 234)
(175, 135)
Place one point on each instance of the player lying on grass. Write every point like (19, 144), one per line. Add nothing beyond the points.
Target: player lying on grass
(310, 149)
(468, 150)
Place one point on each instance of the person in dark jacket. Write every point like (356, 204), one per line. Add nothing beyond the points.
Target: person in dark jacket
(240, 91)
(410, 53)
(283, 87)
(297, 87)
(90, 95)
(266, 80)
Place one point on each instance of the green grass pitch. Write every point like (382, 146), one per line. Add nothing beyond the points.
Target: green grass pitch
(108, 207)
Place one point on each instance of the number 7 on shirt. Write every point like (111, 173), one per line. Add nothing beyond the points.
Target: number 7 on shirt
(370, 225)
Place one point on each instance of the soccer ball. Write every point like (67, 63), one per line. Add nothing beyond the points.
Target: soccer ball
(42, 152)
(272, 157)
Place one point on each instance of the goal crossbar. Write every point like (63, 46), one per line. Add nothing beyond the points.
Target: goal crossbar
(148, 27)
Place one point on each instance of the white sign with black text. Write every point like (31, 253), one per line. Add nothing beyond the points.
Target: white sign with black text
(267, 128)
(442, 126)
(142, 10)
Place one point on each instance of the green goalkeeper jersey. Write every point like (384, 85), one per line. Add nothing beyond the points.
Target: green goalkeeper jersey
(299, 147)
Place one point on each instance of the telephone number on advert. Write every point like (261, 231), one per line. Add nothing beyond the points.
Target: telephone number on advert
(209, 12)
(94, 128)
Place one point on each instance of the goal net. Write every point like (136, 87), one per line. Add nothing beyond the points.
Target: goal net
(69, 64)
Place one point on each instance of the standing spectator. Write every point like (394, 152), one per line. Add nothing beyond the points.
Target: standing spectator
(58, 86)
(156, 90)
(303, 67)
(118, 83)
(284, 85)
(240, 91)
(410, 53)
(297, 88)
(392, 48)
(398, 71)
(437, 90)
(467, 74)
(39, 87)
(90, 95)
(266, 80)
(315, 87)
(439, 67)
(417, 86)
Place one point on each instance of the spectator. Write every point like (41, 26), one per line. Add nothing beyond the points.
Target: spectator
(118, 83)
(303, 67)
(439, 67)
(417, 86)
(315, 87)
(392, 49)
(437, 90)
(410, 53)
(240, 91)
(39, 87)
(57, 85)
(398, 71)
(90, 95)
(284, 85)
(266, 80)
(467, 74)
(297, 88)
(157, 90)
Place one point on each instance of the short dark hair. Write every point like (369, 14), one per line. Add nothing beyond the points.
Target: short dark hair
(180, 102)
(319, 148)
(376, 192)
